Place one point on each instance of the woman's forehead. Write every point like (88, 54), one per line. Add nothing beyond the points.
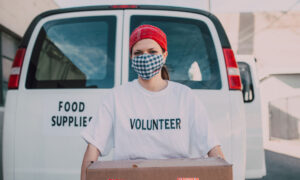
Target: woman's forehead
(146, 44)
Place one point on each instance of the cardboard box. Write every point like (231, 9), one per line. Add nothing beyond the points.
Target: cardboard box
(170, 169)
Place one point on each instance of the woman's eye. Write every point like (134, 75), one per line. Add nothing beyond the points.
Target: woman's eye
(137, 53)
(153, 52)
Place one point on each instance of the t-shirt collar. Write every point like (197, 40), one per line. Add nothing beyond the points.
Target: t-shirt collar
(152, 93)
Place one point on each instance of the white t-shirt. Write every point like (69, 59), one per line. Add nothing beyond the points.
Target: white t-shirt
(141, 124)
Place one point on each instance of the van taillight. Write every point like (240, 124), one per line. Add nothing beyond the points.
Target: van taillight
(15, 72)
(124, 6)
(233, 73)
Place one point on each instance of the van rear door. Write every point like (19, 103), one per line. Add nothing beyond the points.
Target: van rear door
(72, 61)
(255, 160)
(195, 58)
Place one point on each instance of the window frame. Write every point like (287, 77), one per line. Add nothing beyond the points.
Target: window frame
(33, 83)
(32, 32)
(177, 14)
(204, 29)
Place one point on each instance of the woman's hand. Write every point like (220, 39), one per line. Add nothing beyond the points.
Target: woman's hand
(91, 154)
(216, 152)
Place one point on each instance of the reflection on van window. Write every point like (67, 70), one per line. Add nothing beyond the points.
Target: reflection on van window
(192, 58)
(194, 72)
(74, 53)
(247, 85)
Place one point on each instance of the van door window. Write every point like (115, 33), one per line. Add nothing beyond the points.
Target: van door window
(192, 58)
(74, 53)
(247, 84)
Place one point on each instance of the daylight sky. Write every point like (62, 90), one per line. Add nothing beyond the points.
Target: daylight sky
(216, 5)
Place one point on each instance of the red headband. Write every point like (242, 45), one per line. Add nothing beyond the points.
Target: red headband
(148, 32)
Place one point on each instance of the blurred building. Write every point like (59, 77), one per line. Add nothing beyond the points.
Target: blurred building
(274, 39)
(15, 17)
(281, 102)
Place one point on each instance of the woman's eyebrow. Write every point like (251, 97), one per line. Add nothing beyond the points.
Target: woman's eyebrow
(149, 49)
(137, 51)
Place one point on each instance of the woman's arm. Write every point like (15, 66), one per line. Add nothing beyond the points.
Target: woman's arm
(216, 152)
(91, 154)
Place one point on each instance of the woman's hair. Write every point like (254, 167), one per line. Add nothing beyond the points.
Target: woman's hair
(165, 73)
(164, 70)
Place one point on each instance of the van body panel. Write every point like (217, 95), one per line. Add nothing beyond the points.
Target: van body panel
(40, 135)
(222, 35)
(228, 103)
(203, 5)
(255, 159)
(51, 151)
(238, 134)
(9, 126)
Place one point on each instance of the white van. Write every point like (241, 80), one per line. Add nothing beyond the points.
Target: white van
(70, 59)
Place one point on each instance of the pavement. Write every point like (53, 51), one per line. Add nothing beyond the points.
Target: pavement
(282, 160)
(281, 167)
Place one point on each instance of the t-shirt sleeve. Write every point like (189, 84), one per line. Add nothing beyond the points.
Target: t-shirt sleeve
(203, 137)
(99, 132)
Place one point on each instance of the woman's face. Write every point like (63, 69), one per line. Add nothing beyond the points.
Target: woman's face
(148, 46)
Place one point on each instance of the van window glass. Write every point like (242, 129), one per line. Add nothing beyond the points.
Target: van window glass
(247, 85)
(74, 53)
(192, 58)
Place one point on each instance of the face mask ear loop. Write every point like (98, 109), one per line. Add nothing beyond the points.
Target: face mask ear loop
(164, 61)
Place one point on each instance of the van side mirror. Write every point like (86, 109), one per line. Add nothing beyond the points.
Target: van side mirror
(247, 85)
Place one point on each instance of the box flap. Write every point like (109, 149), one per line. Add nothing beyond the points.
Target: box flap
(159, 163)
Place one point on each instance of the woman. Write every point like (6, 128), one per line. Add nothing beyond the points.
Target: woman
(150, 117)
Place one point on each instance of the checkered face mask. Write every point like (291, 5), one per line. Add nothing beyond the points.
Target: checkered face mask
(147, 65)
